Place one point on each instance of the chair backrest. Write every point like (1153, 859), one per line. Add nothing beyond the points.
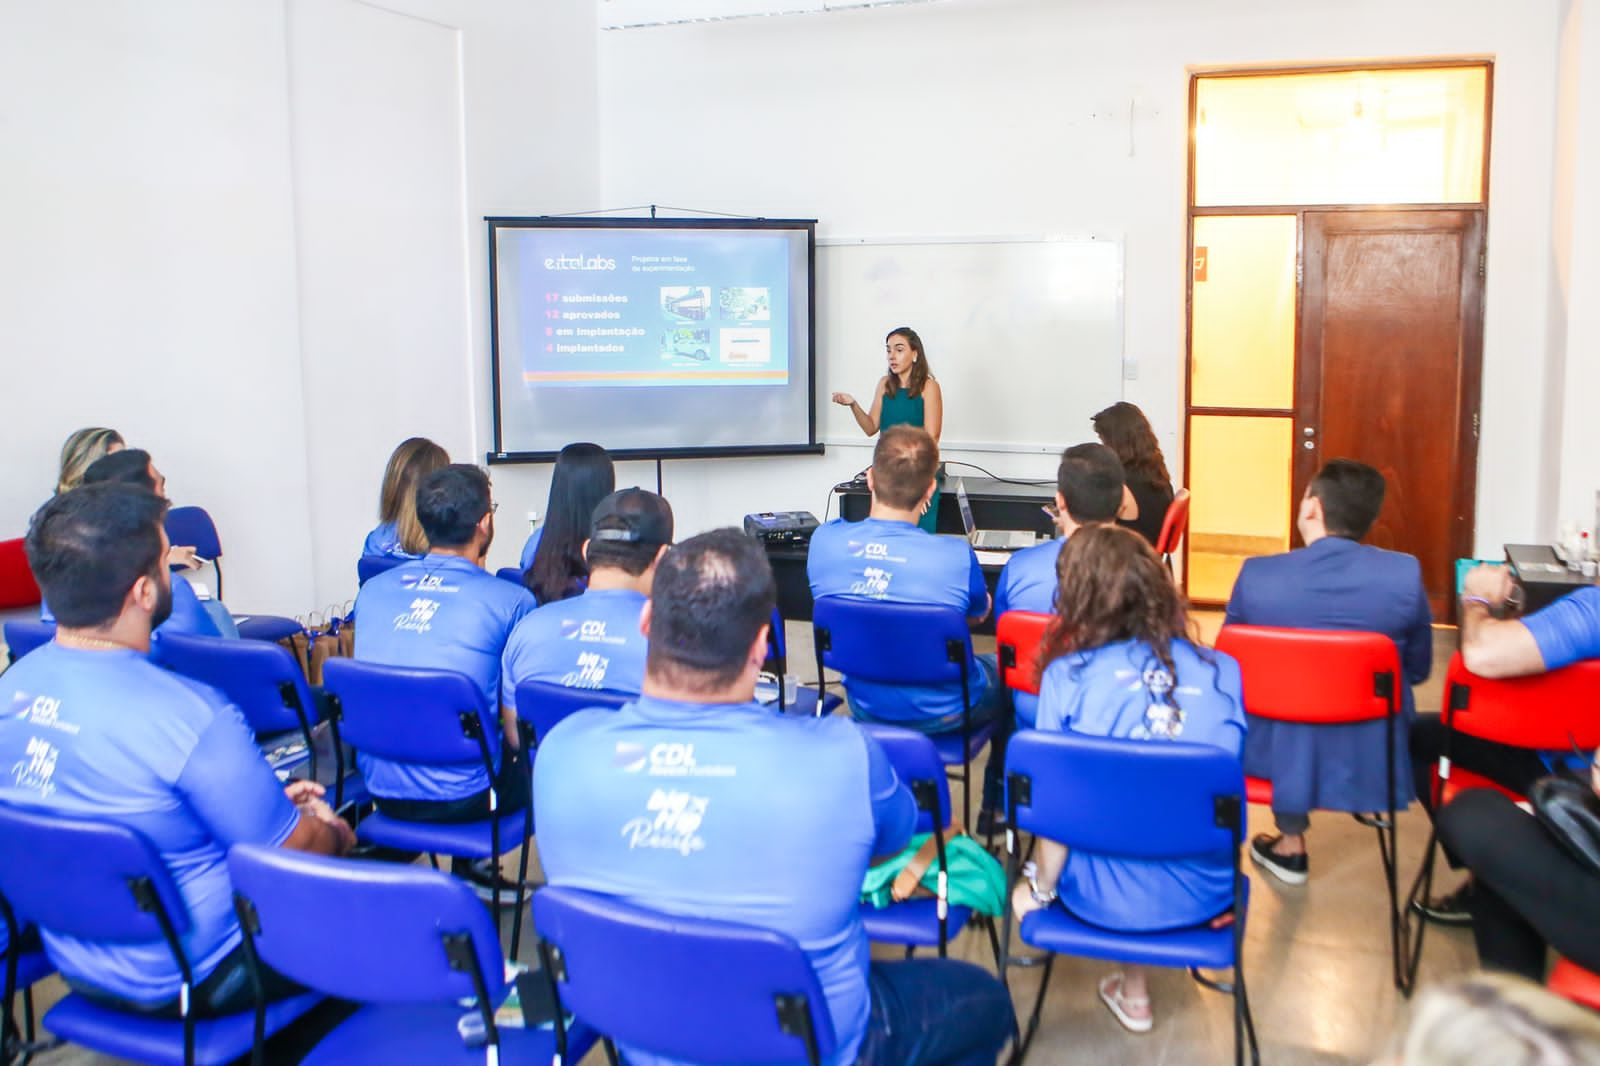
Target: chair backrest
(261, 677)
(681, 987)
(1321, 676)
(17, 586)
(23, 637)
(916, 762)
(1017, 636)
(192, 526)
(367, 931)
(1133, 799)
(1547, 712)
(893, 643)
(407, 714)
(512, 574)
(370, 566)
(777, 641)
(94, 880)
(543, 704)
(1174, 525)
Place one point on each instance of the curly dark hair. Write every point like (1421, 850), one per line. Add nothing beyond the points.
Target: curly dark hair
(1124, 429)
(1111, 586)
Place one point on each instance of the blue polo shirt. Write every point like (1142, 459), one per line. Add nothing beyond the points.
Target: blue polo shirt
(1028, 583)
(384, 540)
(530, 549)
(729, 812)
(897, 562)
(188, 618)
(439, 612)
(1122, 690)
(588, 641)
(1567, 630)
(109, 736)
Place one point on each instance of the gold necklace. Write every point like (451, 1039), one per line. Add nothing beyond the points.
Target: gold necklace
(86, 643)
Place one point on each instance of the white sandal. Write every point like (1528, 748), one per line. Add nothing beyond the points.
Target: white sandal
(1118, 1005)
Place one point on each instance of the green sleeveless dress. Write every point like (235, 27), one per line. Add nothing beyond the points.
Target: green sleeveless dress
(903, 409)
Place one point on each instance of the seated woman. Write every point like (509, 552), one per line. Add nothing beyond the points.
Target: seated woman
(552, 560)
(398, 534)
(80, 451)
(1119, 662)
(1123, 428)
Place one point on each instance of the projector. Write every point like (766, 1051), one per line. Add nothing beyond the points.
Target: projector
(781, 529)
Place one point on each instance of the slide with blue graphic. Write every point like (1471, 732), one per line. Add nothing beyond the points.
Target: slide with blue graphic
(652, 308)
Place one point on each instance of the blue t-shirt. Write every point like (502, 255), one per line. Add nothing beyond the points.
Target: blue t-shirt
(529, 549)
(1122, 690)
(897, 562)
(384, 540)
(109, 736)
(729, 812)
(1028, 583)
(439, 612)
(189, 617)
(588, 641)
(1567, 630)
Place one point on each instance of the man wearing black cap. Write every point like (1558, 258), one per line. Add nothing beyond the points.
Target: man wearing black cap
(593, 640)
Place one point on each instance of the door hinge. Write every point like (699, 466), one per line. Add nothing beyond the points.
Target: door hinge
(1474, 425)
(1483, 262)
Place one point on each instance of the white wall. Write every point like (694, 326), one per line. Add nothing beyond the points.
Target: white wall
(1013, 116)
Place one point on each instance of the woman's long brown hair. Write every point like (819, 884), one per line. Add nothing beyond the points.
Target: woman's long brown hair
(919, 369)
(1124, 429)
(1111, 586)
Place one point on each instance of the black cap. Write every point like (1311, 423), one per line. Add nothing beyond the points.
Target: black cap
(632, 516)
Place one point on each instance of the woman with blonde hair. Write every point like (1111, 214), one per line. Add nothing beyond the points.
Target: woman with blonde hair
(398, 534)
(80, 452)
(1491, 1019)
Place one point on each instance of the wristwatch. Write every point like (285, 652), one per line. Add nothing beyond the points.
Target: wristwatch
(1043, 899)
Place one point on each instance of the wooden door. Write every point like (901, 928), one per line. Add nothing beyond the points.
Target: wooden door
(1391, 343)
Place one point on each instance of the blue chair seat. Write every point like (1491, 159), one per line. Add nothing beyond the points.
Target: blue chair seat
(914, 921)
(948, 745)
(469, 840)
(267, 627)
(160, 1040)
(426, 1032)
(1059, 931)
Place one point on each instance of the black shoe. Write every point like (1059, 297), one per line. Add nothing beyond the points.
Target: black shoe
(483, 877)
(1290, 869)
(992, 823)
(1454, 909)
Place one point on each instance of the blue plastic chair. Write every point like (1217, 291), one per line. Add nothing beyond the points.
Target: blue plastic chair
(509, 573)
(408, 942)
(23, 969)
(682, 987)
(543, 704)
(803, 701)
(370, 566)
(919, 922)
(99, 881)
(193, 526)
(1137, 800)
(23, 637)
(930, 646)
(431, 718)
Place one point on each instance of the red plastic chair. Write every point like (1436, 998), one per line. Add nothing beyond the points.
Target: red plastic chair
(1174, 526)
(1571, 981)
(1017, 635)
(1553, 711)
(18, 589)
(1327, 677)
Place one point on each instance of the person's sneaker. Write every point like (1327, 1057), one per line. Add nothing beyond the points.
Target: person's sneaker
(1290, 869)
(482, 876)
(1454, 909)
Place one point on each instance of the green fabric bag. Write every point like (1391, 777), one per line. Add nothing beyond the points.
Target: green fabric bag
(977, 879)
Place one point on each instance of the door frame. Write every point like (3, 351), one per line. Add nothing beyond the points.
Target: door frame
(1472, 369)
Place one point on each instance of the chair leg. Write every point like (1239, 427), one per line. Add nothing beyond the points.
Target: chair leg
(611, 1052)
(1241, 1008)
(1021, 1050)
(1413, 925)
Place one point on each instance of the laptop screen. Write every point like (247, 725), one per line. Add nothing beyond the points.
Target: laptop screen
(966, 507)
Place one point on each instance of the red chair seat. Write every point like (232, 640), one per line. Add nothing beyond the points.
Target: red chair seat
(1573, 982)
(1462, 780)
(1258, 790)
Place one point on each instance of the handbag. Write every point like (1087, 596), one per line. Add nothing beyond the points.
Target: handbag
(1569, 809)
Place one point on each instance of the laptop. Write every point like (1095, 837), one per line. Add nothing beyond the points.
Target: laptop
(1006, 540)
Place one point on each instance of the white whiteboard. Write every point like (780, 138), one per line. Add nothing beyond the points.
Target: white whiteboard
(1024, 335)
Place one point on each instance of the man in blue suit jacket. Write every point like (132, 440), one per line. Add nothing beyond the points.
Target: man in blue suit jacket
(1334, 582)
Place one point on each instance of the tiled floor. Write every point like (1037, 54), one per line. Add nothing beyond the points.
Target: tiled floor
(1316, 957)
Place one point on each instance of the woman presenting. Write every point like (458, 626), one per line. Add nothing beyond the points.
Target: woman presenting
(908, 395)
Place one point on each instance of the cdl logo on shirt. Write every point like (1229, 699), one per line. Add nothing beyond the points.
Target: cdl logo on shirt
(426, 583)
(591, 629)
(875, 550)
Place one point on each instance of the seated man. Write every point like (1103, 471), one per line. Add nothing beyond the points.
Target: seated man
(1089, 489)
(774, 826)
(104, 734)
(1334, 582)
(446, 612)
(1558, 635)
(592, 640)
